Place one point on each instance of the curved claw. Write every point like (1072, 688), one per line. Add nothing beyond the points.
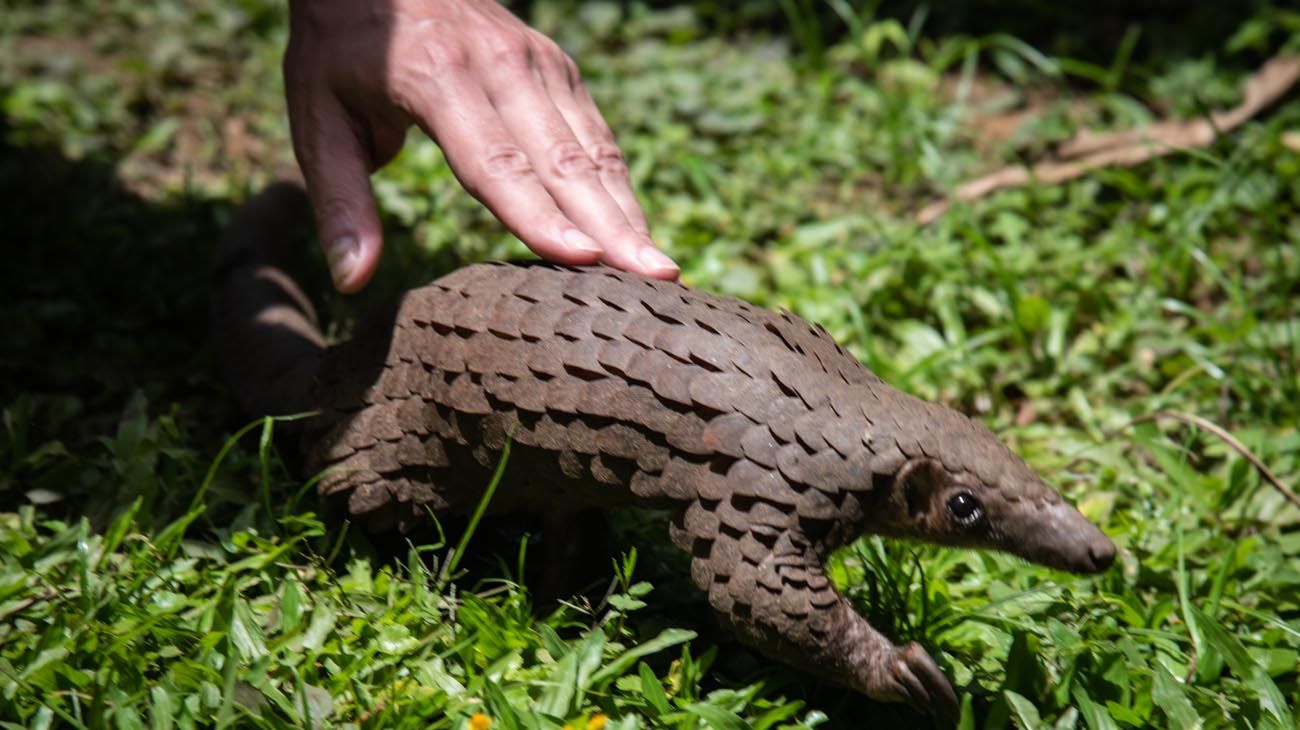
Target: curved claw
(910, 675)
(928, 689)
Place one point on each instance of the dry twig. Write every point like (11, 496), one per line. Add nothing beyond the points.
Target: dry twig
(1232, 442)
(1088, 150)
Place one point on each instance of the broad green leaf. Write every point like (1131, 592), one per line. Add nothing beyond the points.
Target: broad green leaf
(1246, 669)
(666, 638)
(322, 623)
(652, 690)
(1094, 715)
(1023, 711)
(291, 607)
(716, 717)
(558, 698)
(1171, 698)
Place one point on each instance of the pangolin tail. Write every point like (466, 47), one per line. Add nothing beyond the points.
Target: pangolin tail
(267, 338)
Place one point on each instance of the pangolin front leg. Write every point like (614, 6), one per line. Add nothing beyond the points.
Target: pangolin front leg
(765, 580)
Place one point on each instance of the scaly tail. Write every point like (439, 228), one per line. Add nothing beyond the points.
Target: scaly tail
(267, 338)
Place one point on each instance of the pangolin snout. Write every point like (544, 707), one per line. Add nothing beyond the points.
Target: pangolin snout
(1063, 538)
(1102, 552)
(1087, 549)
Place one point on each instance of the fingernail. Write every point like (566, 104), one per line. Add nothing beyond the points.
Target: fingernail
(342, 254)
(655, 260)
(579, 241)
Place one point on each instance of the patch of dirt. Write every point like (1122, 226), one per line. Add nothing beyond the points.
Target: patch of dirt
(997, 111)
(213, 145)
(209, 152)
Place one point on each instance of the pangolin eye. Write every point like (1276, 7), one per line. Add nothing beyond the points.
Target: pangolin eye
(965, 509)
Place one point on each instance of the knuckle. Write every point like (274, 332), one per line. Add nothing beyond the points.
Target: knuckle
(571, 70)
(569, 159)
(546, 47)
(609, 157)
(506, 161)
(511, 52)
(444, 55)
(549, 52)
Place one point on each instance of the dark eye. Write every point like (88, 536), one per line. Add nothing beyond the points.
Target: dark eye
(965, 509)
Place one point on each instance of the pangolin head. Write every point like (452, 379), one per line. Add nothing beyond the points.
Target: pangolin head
(959, 485)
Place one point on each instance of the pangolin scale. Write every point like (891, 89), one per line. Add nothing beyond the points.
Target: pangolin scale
(772, 444)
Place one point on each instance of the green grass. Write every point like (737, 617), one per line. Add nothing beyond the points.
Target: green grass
(154, 572)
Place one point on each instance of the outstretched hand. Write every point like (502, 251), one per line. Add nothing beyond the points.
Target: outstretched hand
(506, 105)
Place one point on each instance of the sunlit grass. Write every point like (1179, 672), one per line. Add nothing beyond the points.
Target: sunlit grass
(155, 572)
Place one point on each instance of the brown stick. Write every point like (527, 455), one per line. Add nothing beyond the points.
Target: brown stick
(1231, 441)
(1089, 151)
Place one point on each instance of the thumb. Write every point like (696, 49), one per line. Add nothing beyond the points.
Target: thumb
(335, 163)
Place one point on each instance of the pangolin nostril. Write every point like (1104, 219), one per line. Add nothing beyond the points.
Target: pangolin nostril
(1102, 554)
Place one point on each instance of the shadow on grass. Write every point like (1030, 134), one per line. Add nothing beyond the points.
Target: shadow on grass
(1092, 33)
(105, 297)
(104, 292)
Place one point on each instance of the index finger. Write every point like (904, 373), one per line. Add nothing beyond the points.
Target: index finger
(493, 168)
(566, 169)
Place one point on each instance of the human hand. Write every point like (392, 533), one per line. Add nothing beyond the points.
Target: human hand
(506, 105)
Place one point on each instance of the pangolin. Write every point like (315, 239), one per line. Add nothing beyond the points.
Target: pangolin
(771, 444)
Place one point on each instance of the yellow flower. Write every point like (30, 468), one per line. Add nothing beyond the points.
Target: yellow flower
(597, 721)
(479, 721)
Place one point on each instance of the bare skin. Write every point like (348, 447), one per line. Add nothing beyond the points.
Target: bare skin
(506, 105)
